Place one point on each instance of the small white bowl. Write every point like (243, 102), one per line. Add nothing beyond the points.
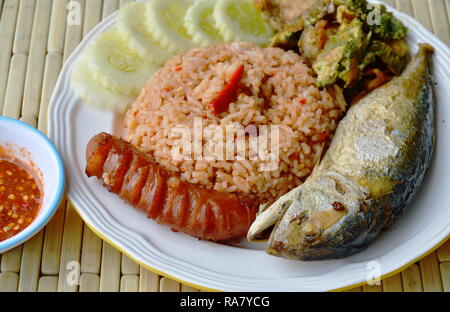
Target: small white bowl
(29, 144)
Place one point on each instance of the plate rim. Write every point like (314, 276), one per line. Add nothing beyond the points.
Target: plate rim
(104, 24)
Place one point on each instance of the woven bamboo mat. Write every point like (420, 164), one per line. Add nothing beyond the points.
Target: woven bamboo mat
(35, 42)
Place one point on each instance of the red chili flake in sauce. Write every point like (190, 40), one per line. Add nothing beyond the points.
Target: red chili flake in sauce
(20, 197)
(229, 93)
(338, 206)
(178, 68)
(302, 101)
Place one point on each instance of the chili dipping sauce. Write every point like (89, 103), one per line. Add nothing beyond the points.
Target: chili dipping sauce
(20, 196)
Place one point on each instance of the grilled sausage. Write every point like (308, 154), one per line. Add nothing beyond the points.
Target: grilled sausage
(141, 182)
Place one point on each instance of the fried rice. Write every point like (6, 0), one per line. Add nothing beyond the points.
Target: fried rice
(277, 89)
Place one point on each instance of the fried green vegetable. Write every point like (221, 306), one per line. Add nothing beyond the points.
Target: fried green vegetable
(359, 7)
(286, 40)
(283, 12)
(395, 61)
(291, 30)
(339, 59)
(385, 26)
(312, 41)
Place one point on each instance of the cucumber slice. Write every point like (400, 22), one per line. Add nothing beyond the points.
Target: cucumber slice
(200, 23)
(165, 20)
(93, 93)
(116, 66)
(239, 20)
(132, 27)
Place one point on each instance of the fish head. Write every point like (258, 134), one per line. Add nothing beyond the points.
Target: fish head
(315, 219)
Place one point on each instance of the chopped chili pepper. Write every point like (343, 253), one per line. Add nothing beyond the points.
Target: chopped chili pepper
(322, 137)
(338, 206)
(302, 101)
(228, 94)
(178, 68)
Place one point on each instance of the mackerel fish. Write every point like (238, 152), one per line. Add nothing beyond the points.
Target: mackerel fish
(371, 171)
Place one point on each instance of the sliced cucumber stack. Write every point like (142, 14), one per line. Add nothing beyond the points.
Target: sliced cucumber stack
(200, 23)
(93, 93)
(116, 66)
(165, 20)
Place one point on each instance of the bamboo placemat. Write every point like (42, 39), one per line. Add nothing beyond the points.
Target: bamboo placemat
(36, 41)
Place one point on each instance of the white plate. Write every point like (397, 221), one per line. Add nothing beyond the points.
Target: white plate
(425, 224)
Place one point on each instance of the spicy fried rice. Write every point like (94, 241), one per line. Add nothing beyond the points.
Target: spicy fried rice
(277, 89)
